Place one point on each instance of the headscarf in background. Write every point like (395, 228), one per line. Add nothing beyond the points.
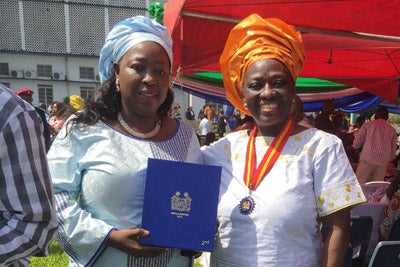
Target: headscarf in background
(126, 34)
(252, 40)
(76, 102)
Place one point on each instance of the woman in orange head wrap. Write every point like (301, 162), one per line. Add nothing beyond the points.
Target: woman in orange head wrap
(274, 195)
(255, 39)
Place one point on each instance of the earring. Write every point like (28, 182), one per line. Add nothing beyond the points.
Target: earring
(117, 89)
(245, 105)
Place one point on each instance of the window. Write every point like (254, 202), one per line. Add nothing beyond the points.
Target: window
(44, 71)
(4, 69)
(86, 73)
(87, 93)
(45, 94)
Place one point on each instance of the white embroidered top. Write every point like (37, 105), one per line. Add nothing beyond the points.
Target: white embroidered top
(99, 179)
(311, 178)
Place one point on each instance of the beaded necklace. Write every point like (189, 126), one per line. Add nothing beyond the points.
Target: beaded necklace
(150, 134)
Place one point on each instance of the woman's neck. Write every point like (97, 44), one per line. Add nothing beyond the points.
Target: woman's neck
(274, 131)
(269, 130)
(141, 124)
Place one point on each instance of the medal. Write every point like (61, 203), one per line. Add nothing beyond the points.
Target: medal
(253, 176)
(246, 205)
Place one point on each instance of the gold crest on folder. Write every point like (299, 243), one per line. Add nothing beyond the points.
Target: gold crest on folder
(180, 205)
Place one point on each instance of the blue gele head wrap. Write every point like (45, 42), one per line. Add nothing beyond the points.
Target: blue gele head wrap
(126, 34)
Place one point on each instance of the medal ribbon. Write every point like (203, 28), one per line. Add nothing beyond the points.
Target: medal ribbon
(252, 176)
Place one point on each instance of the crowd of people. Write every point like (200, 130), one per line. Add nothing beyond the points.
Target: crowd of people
(285, 179)
(371, 145)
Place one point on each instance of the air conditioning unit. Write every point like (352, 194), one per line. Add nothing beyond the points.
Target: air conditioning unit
(58, 76)
(30, 74)
(17, 74)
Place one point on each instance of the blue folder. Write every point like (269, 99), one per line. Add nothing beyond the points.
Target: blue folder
(180, 204)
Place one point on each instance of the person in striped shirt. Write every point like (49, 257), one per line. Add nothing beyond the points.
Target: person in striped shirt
(28, 221)
(377, 140)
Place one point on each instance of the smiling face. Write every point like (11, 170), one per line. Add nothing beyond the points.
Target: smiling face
(268, 90)
(144, 75)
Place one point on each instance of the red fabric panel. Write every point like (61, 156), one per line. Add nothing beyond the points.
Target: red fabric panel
(372, 16)
(200, 27)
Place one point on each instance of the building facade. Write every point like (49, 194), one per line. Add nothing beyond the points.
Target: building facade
(52, 46)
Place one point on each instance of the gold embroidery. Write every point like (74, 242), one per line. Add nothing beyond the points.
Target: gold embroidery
(334, 198)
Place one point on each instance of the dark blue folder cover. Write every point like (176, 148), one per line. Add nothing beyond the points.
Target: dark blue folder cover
(180, 204)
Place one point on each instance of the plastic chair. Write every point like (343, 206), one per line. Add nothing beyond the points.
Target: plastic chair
(378, 183)
(375, 191)
(394, 234)
(386, 254)
(360, 233)
(361, 228)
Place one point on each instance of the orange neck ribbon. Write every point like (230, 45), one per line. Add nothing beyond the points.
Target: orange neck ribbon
(252, 177)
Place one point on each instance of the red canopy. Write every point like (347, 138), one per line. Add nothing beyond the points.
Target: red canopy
(355, 42)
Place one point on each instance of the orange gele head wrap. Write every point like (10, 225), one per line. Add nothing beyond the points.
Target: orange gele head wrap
(252, 40)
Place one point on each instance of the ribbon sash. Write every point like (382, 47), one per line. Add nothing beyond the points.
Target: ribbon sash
(252, 177)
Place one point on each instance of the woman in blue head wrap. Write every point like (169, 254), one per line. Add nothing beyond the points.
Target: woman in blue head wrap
(98, 161)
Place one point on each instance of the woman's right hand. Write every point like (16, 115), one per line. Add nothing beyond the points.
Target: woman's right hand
(127, 240)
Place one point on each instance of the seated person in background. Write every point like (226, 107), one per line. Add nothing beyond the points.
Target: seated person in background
(210, 138)
(337, 118)
(323, 119)
(247, 123)
(392, 211)
(354, 128)
(351, 152)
